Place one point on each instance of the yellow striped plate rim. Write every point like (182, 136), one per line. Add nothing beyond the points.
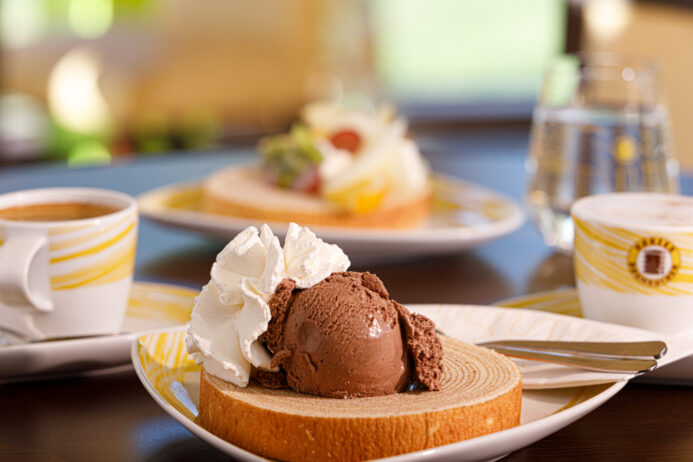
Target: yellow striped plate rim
(560, 301)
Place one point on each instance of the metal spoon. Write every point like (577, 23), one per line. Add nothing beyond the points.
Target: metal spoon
(619, 357)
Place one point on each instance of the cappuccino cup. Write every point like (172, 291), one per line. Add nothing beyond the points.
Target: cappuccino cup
(67, 258)
(633, 256)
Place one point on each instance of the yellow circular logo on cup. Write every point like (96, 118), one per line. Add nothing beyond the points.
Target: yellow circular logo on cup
(654, 261)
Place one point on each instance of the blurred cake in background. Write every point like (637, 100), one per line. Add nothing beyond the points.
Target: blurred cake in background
(336, 167)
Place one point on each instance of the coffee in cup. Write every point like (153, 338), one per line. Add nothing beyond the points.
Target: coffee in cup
(56, 211)
(66, 261)
(633, 255)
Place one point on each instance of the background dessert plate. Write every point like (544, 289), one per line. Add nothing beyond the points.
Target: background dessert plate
(150, 307)
(465, 215)
(172, 378)
(565, 301)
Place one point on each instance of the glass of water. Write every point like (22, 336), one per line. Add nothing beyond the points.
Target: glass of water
(599, 125)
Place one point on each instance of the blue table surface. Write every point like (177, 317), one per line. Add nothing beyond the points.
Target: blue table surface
(495, 161)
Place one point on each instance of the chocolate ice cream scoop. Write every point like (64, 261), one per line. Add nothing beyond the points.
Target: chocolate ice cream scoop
(344, 337)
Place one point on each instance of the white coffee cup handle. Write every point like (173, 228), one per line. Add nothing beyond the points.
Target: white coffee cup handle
(24, 279)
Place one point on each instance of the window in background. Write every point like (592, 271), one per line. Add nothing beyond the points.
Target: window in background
(468, 59)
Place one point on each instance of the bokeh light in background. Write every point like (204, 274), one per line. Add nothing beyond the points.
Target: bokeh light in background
(74, 96)
(24, 126)
(88, 152)
(78, 108)
(608, 18)
(151, 76)
(90, 19)
(22, 22)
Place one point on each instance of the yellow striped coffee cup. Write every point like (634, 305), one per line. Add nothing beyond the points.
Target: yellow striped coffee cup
(633, 255)
(66, 277)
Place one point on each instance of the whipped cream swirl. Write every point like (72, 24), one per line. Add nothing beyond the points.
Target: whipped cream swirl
(232, 311)
(387, 153)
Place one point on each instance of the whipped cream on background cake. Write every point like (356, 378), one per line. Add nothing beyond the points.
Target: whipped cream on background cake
(353, 159)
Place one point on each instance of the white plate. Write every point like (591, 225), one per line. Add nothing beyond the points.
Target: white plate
(565, 301)
(151, 306)
(170, 375)
(465, 215)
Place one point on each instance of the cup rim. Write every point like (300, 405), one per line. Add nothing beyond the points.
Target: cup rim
(578, 210)
(31, 196)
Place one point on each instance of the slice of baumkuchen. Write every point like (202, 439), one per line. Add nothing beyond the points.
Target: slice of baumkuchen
(481, 394)
(243, 192)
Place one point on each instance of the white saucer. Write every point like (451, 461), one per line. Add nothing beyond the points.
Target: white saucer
(565, 301)
(151, 307)
(465, 215)
(172, 378)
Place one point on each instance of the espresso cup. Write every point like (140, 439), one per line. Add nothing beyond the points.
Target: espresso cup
(633, 255)
(67, 258)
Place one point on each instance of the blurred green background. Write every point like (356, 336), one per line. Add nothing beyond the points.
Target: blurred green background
(92, 81)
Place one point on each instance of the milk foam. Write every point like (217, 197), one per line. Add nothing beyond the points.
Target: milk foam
(636, 210)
